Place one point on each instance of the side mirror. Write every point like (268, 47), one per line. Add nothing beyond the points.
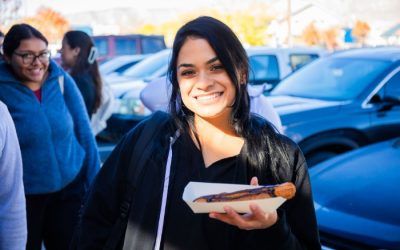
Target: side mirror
(392, 99)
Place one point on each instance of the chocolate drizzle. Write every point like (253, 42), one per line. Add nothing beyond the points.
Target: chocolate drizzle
(286, 190)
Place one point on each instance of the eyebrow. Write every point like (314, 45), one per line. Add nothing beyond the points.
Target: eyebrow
(214, 59)
(33, 52)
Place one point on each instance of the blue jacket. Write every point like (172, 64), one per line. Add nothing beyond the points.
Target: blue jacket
(55, 136)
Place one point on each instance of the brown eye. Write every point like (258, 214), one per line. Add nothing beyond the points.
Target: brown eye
(217, 67)
(187, 73)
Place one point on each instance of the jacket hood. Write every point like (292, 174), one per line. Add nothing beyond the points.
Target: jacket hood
(8, 77)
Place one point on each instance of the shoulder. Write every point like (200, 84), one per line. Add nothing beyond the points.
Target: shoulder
(6, 119)
(159, 123)
(3, 114)
(83, 77)
(6, 123)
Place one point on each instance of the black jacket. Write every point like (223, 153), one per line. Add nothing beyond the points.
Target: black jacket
(295, 229)
(87, 87)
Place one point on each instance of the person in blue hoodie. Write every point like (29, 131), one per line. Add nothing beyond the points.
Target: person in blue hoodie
(59, 153)
(12, 200)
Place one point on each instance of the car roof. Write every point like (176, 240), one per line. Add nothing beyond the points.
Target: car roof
(263, 49)
(378, 53)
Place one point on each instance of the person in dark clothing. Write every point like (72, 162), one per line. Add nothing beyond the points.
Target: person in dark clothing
(211, 137)
(78, 57)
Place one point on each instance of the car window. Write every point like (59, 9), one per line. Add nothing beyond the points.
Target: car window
(263, 68)
(299, 60)
(152, 45)
(392, 87)
(102, 46)
(332, 78)
(125, 46)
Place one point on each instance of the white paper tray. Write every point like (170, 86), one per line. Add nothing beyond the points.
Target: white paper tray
(195, 189)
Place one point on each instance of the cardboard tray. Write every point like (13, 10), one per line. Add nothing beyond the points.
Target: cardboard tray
(195, 189)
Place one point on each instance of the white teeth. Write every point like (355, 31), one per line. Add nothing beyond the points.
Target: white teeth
(208, 97)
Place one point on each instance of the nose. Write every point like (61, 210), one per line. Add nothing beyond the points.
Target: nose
(205, 81)
(36, 60)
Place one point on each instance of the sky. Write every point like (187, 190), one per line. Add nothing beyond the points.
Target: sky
(73, 6)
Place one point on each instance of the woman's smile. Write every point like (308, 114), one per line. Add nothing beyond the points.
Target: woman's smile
(206, 98)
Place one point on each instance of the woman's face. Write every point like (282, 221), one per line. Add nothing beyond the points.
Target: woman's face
(205, 86)
(30, 61)
(68, 55)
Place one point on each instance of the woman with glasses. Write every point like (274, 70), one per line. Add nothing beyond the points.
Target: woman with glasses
(58, 149)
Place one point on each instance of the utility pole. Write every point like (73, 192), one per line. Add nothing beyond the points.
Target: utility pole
(289, 21)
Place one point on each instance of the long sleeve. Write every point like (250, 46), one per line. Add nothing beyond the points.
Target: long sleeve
(13, 227)
(82, 128)
(102, 205)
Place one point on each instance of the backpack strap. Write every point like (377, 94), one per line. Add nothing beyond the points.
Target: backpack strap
(141, 153)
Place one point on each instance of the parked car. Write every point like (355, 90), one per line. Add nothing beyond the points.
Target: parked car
(119, 64)
(136, 76)
(112, 46)
(357, 198)
(268, 65)
(341, 102)
(271, 65)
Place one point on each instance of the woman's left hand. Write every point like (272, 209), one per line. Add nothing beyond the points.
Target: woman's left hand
(257, 219)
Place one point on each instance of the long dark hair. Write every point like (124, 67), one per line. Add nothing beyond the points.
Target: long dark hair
(260, 136)
(85, 61)
(16, 34)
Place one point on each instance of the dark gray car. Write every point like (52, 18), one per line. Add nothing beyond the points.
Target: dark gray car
(341, 102)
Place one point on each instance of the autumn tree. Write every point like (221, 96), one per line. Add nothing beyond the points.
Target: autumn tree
(249, 26)
(329, 37)
(311, 35)
(360, 31)
(51, 23)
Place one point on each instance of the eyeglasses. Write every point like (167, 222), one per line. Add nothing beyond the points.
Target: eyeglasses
(29, 58)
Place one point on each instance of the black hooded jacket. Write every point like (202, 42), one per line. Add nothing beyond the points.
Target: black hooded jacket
(296, 227)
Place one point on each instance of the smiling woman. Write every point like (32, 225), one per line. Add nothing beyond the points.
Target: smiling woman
(58, 164)
(211, 137)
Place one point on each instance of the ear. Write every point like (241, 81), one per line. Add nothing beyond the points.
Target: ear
(76, 51)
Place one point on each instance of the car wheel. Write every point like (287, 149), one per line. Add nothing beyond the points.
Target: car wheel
(319, 156)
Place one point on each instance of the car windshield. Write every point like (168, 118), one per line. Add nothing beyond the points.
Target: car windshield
(147, 67)
(332, 78)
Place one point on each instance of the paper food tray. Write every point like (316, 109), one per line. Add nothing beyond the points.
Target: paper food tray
(195, 189)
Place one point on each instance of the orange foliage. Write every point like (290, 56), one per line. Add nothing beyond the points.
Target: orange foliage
(311, 35)
(51, 23)
(330, 38)
(361, 30)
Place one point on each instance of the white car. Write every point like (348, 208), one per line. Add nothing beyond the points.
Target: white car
(135, 77)
(271, 65)
(119, 64)
(268, 66)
